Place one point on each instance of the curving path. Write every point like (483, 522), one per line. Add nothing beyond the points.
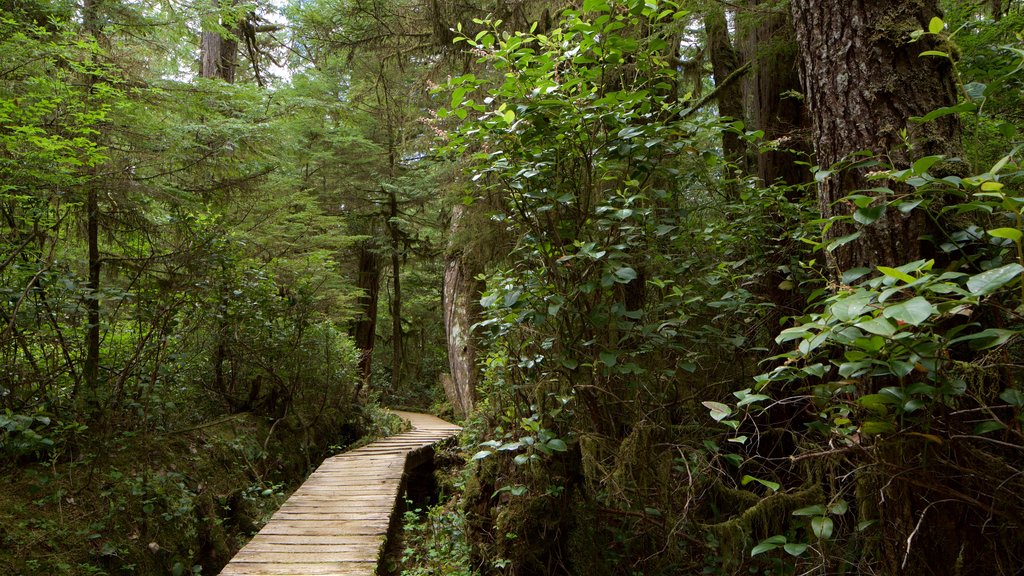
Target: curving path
(337, 522)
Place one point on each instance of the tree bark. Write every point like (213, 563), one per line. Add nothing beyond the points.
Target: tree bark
(770, 43)
(724, 62)
(364, 330)
(396, 290)
(863, 80)
(90, 371)
(461, 294)
(219, 53)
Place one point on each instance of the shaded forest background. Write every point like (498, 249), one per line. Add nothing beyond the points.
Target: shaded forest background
(717, 287)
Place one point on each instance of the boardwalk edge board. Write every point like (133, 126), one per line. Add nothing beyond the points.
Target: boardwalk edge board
(337, 522)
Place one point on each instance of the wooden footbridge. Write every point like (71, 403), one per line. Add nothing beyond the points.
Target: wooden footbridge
(337, 522)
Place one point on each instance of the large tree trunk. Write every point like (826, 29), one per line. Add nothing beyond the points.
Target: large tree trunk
(364, 329)
(461, 294)
(724, 63)
(770, 44)
(863, 80)
(218, 52)
(396, 291)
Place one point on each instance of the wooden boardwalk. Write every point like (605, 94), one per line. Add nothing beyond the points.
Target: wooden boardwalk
(337, 521)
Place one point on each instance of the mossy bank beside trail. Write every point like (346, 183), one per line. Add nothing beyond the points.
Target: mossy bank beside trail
(157, 503)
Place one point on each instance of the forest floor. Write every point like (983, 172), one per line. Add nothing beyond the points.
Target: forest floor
(177, 502)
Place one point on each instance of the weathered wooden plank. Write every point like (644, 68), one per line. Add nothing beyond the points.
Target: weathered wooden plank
(295, 569)
(336, 523)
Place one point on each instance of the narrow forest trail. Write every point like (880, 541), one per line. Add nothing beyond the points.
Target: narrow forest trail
(337, 522)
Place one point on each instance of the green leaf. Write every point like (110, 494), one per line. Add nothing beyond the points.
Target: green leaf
(913, 311)
(839, 508)
(558, 445)
(897, 274)
(988, 338)
(768, 544)
(481, 455)
(1009, 233)
(869, 215)
(988, 426)
(934, 53)
(991, 280)
(624, 275)
(879, 326)
(814, 510)
(936, 25)
(876, 427)
(843, 240)
(822, 527)
(922, 165)
(718, 410)
(773, 486)
(609, 358)
(1013, 397)
(795, 548)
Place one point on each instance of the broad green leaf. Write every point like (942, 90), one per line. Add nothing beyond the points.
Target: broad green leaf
(1009, 233)
(557, 444)
(913, 311)
(876, 427)
(839, 508)
(1013, 397)
(822, 527)
(795, 548)
(843, 240)
(936, 25)
(768, 545)
(481, 455)
(624, 275)
(609, 358)
(869, 215)
(814, 510)
(879, 326)
(718, 410)
(922, 165)
(987, 338)
(991, 280)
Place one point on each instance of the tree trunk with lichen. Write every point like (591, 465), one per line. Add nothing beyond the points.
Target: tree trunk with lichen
(461, 294)
(863, 80)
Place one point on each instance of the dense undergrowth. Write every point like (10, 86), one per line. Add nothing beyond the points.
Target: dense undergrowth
(177, 501)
